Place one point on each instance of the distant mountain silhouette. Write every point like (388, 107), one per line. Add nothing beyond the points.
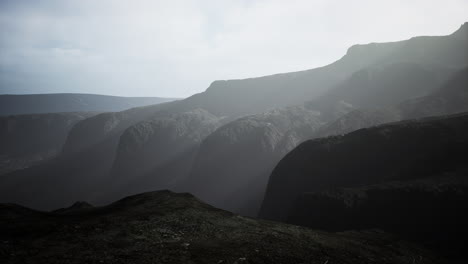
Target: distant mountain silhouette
(29, 139)
(55, 103)
(165, 227)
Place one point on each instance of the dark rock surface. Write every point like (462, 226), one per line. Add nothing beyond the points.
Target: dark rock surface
(432, 211)
(164, 227)
(408, 177)
(398, 151)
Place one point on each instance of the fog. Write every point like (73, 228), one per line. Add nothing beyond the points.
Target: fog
(177, 48)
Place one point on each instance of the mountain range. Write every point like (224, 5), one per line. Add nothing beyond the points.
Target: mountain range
(15, 104)
(91, 155)
(327, 148)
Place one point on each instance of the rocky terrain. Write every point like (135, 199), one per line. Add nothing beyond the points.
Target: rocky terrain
(165, 227)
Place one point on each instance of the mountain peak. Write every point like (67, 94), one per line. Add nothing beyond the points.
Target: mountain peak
(462, 32)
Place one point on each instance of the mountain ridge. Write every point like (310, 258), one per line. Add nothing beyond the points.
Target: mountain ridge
(15, 104)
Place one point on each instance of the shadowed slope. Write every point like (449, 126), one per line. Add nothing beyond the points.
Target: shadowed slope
(164, 227)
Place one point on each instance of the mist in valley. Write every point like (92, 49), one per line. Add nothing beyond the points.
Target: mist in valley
(233, 132)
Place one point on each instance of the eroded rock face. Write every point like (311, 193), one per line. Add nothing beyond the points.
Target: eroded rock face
(157, 154)
(404, 150)
(232, 167)
(165, 227)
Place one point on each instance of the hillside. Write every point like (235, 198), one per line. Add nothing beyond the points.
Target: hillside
(398, 151)
(165, 227)
(431, 211)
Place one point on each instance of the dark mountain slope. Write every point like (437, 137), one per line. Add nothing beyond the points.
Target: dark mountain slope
(398, 151)
(433, 211)
(29, 139)
(55, 103)
(164, 227)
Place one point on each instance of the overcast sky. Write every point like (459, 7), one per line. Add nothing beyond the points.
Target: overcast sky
(177, 48)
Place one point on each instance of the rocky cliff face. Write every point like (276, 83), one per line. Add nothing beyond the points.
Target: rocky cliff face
(158, 153)
(164, 227)
(407, 177)
(404, 150)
